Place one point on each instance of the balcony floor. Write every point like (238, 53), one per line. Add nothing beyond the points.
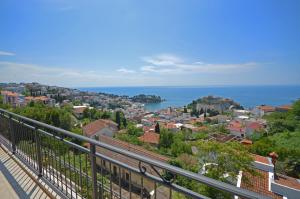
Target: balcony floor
(16, 183)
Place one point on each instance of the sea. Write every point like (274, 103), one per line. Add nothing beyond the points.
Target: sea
(179, 96)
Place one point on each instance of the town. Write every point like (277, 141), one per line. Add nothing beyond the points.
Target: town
(168, 135)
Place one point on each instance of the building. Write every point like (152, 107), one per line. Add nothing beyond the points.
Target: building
(263, 110)
(150, 138)
(43, 99)
(267, 184)
(12, 98)
(100, 127)
(283, 108)
(124, 174)
(78, 111)
(253, 127)
(236, 128)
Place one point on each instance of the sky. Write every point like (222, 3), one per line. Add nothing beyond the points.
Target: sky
(79, 43)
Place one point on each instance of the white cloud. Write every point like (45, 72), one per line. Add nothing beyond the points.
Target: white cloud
(171, 64)
(163, 60)
(4, 53)
(124, 70)
(163, 69)
(20, 72)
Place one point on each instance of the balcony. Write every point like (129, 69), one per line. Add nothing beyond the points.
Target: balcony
(61, 167)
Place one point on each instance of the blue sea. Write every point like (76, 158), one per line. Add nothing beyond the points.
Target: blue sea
(247, 96)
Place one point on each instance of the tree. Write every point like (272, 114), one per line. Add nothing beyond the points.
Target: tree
(201, 111)
(180, 147)
(218, 159)
(134, 131)
(166, 139)
(118, 119)
(105, 115)
(157, 129)
(124, 122)
(296, 109)
(184, 109)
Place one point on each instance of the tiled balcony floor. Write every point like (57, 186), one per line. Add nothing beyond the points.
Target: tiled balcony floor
(15, 182)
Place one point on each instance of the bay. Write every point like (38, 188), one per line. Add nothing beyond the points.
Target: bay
(177, 96)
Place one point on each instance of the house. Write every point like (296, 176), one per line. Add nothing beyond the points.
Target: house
(263, 110)
(125, 175)
(12, 98)
(267, 183)
(253, 127)
(78, 111)
(43, 99)
(237, 113)
(150, 138)
(100, 127)
(236, 128)
(283, 108)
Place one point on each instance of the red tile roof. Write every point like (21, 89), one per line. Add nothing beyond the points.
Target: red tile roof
(129, 147)
(79, 110)
(9, 93)
(258, 183)
(255, 126)
(284, 107)
(288, 181)
(262, 159)
(236, 126)
(149, 137)
(266, 108)
(97, 125)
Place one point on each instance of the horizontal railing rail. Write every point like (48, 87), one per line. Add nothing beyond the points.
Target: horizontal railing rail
(80, 172)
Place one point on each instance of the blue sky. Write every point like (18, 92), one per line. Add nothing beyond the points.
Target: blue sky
(158, 42)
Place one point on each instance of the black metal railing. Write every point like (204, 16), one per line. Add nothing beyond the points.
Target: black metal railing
(73, 171)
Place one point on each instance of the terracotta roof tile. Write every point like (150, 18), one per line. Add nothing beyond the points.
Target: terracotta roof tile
(288, 181)
(258, 183)
(149, 137)
(97, 125)
(262, 159)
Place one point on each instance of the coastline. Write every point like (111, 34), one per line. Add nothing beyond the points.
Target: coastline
(248, 96)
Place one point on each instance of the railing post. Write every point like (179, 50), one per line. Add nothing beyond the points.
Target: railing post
(12, 133)
(94, 170)
(39, 152)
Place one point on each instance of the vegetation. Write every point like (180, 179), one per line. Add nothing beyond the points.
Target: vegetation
(94, 114)
(157, 128)
(283, 137)
(221, 161)
(131, 135)
(58, 117)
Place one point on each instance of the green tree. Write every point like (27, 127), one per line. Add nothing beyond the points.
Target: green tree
(184, 109)
(218, 159)
(166, 139)
(157, 129)
(118, 119)
(124, 121)
(296, 109)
